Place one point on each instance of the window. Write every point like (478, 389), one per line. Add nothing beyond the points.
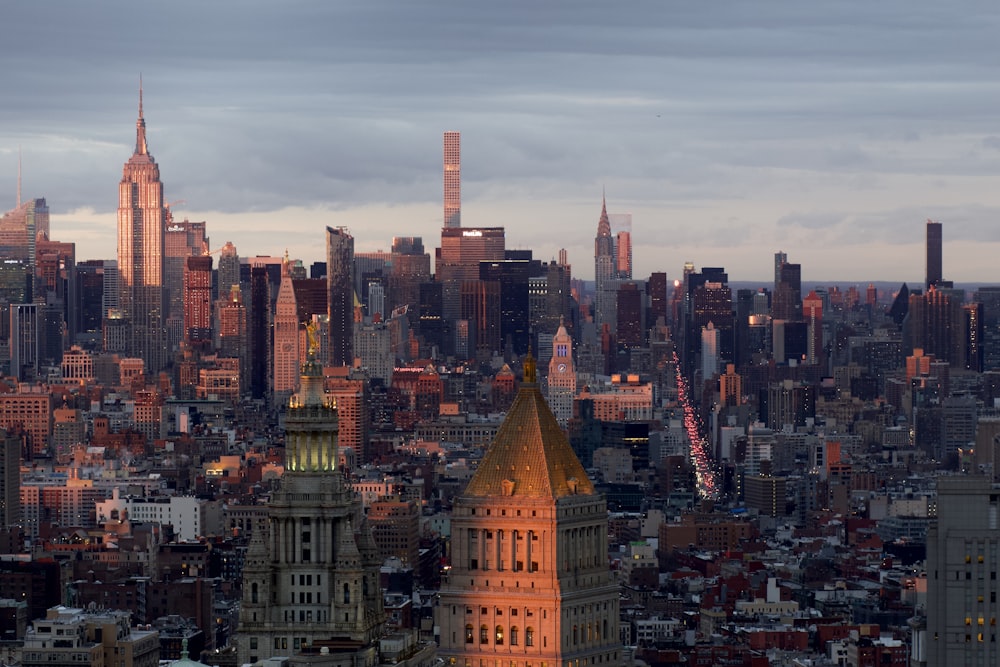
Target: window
(513, 636)
(253, 643)
(529, 636)
(484, 634)
(499, 635)
(347, 594)
(468, 633)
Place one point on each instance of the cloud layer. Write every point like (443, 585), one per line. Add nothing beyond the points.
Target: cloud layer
(729, 130)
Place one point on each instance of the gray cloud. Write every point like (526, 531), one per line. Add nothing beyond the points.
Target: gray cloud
(712, 123)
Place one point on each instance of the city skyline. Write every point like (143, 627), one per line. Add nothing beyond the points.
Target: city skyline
(830, 133)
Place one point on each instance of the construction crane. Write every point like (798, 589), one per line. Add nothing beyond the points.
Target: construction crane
(170, 213)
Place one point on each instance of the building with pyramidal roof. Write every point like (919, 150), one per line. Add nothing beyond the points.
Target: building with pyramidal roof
(529, 584)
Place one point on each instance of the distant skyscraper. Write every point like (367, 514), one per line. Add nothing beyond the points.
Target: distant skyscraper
(25, 340)
(339, 274)
(180, 241)
(141, 218)
(812, 313)
(709, 352)
(604, 268)
(452, 179)
(459, 256)
(779, 260)
(229, 269)
(621, 227)
(21, 228)
(410, 267)
(285, 373)
(258, 331)
(198, 300)
(629, 313)
(233, 341)
(561, 377)
(934, 265)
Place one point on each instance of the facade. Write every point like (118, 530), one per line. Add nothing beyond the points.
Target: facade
(181, 240)
(458, 260)
(10, 480)
(20, 229)
(396, 529)
(285, 372)
(963, 555)
(198, 300)
(30, 413)
(410, 267)
(934, 247)
(141, 223)
(529, 582)
(452, 179)
(561, 377)
(313, 573)
(340, 302)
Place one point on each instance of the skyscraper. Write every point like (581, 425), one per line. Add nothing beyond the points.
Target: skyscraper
(340, 285)
(562, 376)
(198, 300)
(452, 179)
(141, 217)
(779, 260)
(458, 260)
(285, 371)
(934, 265)
(529, 582)
(233, 342)
(229, 269)
(962, 586)
(21, 228)
(258, 331)
(180, 240)
(605, 268)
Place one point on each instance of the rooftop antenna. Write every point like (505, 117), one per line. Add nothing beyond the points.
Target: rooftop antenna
(19, 176)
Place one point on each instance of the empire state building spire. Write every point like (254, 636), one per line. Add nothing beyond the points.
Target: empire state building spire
(140, 127)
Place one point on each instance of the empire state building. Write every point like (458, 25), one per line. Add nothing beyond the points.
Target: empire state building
(141, 218)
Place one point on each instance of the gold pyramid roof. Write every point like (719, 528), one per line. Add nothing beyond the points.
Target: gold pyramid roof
(530, 456)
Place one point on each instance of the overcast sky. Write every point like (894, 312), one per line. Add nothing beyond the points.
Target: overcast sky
(730, 130)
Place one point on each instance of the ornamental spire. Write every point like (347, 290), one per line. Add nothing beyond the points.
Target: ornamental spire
(604, 225)
(140, 127)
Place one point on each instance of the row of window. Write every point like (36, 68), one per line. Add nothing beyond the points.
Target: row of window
(498, 635)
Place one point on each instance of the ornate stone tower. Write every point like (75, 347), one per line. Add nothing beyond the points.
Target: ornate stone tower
(562, 376)
(529, 584)
(312, 573)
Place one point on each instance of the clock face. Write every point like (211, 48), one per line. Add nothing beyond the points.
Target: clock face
(561, 368)
(287, 347)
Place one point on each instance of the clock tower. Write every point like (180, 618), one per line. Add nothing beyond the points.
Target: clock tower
(562, 376)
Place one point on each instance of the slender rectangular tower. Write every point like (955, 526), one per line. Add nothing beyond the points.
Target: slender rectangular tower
(934, 266)
(141, 218)
(452, 179)
(340, 290)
